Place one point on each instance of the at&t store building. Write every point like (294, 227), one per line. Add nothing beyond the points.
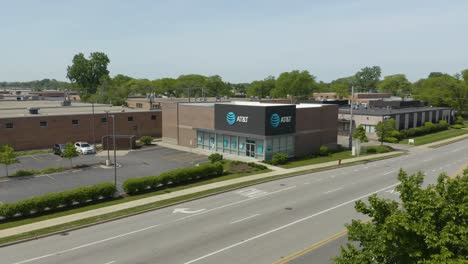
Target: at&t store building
(251, 129)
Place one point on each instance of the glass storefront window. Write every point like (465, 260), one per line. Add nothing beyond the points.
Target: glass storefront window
(233, 144)
(260, 148)
(226, 142)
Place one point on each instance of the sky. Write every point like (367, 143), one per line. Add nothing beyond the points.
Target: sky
(240, 40)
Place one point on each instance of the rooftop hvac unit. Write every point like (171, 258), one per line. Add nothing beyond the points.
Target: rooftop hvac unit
(33, 110)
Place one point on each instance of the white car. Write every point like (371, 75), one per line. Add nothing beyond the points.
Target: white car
(85, 148)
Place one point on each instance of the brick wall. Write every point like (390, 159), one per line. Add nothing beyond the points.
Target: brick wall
(28, 134)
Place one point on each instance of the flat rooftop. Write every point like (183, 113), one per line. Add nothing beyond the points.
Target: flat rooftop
(384, 111)
(248, 103)
(9, 109)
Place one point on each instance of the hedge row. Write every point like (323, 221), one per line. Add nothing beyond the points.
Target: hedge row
(178, 176)
(53, 201)
(427, 128)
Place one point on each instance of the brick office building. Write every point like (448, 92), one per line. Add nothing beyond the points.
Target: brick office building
(22, 128)
(252, 129)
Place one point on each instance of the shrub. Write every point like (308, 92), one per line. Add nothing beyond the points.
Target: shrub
(21, 173)
(257, 166)
(178, 176)
(215, 157)
(378, 149)
(391, 140)
(459, 120)
(396, 134)
(324, 151)
(53, 201)
(146, 140)
(279, 159)
(51, 170)
(457, 126)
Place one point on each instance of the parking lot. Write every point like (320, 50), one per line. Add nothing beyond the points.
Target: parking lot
(151, 161)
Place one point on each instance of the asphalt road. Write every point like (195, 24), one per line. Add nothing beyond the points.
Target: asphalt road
(135, 164)
(259, 224)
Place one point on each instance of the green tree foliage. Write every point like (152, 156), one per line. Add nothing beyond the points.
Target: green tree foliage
(360, 133)
(342, 86)
(262, 88)
(444, 90)
(70, 152)
(239, 88)
(166, 86)
(429, 226)
(385, 129)
(39, 85)
(367, 78)
(7, 156)
(147, 140)
(190, 85)
(87, 73)
(395, 84)
(295, 83)
(215, 86)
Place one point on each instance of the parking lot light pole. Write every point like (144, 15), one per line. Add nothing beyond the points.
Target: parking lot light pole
(115, 156)
(108, 162)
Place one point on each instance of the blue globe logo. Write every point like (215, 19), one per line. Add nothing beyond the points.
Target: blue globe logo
(275, 120)
(231, 118)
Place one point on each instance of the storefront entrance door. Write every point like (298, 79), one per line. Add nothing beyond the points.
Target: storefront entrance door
(250, 148)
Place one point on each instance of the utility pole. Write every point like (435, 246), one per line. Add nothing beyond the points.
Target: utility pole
(107, 139)
(351, 119)
(115, 156)
(94, 133)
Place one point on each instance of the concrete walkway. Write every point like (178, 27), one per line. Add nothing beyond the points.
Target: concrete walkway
(109, 209)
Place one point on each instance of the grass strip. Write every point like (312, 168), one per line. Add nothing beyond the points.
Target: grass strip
(151, 206)
(438, 136)
(32, 152)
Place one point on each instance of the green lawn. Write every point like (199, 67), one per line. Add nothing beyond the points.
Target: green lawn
(346, 154)
(429, 138)
(32, 152)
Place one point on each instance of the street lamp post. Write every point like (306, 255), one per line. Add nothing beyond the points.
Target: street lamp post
(107, 139)
(115, 156)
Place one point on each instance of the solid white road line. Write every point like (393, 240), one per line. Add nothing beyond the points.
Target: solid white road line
(248, 217)
(146, 228)
(87, 245)
(388, 172)
(110, 262)
(288, 225)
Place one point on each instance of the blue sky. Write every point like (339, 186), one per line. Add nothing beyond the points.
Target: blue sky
(239, 40)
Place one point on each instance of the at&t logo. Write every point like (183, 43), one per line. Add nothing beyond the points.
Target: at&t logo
(231, 118)
(276, 120)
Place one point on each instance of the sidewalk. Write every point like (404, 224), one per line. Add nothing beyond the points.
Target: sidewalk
(109, 209)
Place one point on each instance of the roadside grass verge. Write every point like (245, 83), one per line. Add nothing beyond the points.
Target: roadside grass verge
(32, 152)
(152, 206)
(25, 173)
(434, 137)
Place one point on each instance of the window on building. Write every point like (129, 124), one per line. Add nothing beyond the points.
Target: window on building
(153, 117)
(139, 105)
(130, 118)
(75, 122)
(9, 125)
(43, 123)
(369, 128)
(155, 106)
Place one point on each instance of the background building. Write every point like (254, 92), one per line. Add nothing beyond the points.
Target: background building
(41, 124)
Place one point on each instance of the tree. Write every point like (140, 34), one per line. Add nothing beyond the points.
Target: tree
(384, 129)
(87, 73)
(261, 88)
(70, 152)
(395, 84)
(166, 86)
(191, 85)
(7, 157)
(216, 87)
(360, 133)
(429, 225)
(367, 78)
(294, 83)
(342, 86)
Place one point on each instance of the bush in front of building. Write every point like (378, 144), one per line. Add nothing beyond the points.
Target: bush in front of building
(146, 140)
(215, 157)
(391, 140)
(174, 177)
(427, 128)
(324, 151)
(377, 149)
(459, 120)
(279, 159)
(457, 126)
(257, 166)
(57, 201)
